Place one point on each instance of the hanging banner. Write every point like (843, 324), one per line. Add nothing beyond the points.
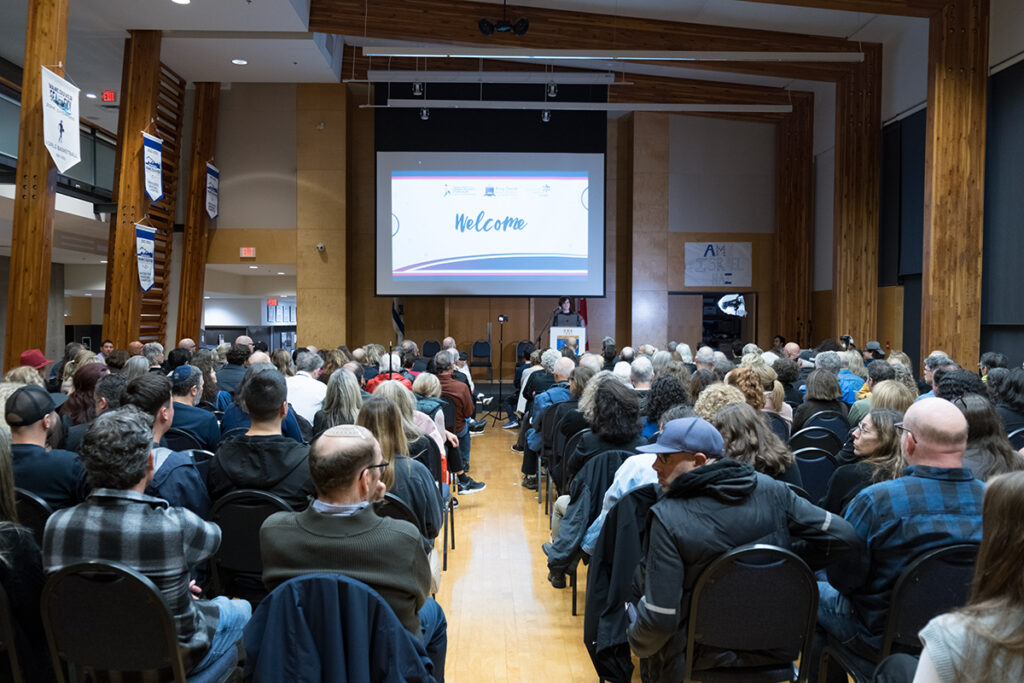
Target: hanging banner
(152, 162)
(718, 264)
(144, 252)
(212, 190)
(60, 120)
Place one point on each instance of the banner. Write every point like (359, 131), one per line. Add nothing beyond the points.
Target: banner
(718, 264)
(152, 162)
(60, 120)
(212, 190)
(144, 252)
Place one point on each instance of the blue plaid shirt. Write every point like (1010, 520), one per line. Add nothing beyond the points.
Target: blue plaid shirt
(926, 508)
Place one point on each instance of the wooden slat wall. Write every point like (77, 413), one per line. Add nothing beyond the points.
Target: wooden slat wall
(195, 241)
(955, 180)
(35, 187)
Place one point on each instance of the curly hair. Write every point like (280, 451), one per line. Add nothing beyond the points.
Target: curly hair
(715, 397)
(666, 391)
(25, 374)
(700, 381)
(957, 383)
(748, 381)
(613, 409)
(748, 439)
(115, 451)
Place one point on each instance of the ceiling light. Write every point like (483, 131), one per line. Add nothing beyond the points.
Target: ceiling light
(281, 273)
(545, 116)
(707, 107)
(206, 297)
(91, 95)
(424, 113)
(239, 62)
(613, 55)
(552, 90)
(103, 261)
(253, 267)
(88, 294)
(181, 2)
(409, 76)
(417, 88)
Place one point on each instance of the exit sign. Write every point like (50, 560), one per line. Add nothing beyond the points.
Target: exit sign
(108, 96)
(247, 252)
(271, 302)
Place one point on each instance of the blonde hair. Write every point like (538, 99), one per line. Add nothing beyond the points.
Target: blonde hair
(25, 374)
(715, 397)
(383, 419)
(427, 385)
(856, 364)
(891, 395)
(900, 358)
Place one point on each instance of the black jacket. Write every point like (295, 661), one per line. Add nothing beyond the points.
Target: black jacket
(705, 513)
(276, 464)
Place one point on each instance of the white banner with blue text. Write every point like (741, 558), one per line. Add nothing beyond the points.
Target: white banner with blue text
(212, 190)
(152, 162)
(145, 246)
(60, 120)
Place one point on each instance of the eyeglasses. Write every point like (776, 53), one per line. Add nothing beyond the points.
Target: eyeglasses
(663, 457)
(380, 466)
(862, 429)
(900, 427)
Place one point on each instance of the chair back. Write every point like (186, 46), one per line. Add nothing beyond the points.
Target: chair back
(1016, 438)
(832, 421)
(396, 508)
(178, 439)
(240, 514)
(430, 348)
(107, 617)
(816, 467)
(799, 490)
(816, 437)
(33, 512)
(202, 460)
(7, 643)
(448, 410)
(547, 431)
(778, 425)
(481, 352)
(570, 447)
(754, 598)
(230, 434)
(934, 582)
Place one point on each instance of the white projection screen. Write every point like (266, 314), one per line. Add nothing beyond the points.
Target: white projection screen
(490, 224)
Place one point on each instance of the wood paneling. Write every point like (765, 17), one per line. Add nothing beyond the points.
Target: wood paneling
(272, 246)
(890, 318)
(855, 241)
(905, 8)
(35, 187)
(122, 304)
(78, 310)
(794, 220)
(823, 323)
(955, 180)
(686, 318)
(624, 231)
(195, 241)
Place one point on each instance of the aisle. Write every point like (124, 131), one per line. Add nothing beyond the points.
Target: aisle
(505, 621)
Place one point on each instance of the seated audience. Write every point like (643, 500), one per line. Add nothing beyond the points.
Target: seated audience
(263, 458)
(235, 416)
(153, 352)
(877, 457)
(666, 392)
(56, 476)
(936, 361)
(230, 375)
(1011, 401)
(106, 396)
(716, 397)
(823, 393)
(990, 360)
(80, 408)
(458, 394)
(952, 384)
(556, 393)
(136, 366)
(341, 402)
(788, 371)
(186, 391)
(641, 373)
(213, 398)
(988, 450)
(389, 367)
(612, 410)
(282, 360)
(774, 393)
(174, 477)
(877, 373)
(936, 503)
(341, 532)
(712, 504)
(305, 393)
(120, 523)
(700, 380)
(749, 439)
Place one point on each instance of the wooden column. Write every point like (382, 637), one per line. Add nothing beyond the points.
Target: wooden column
(857, 169)
(195, 240)
(139, 92)
(35, 187)
(954, 191)
(623, 246)
(794, 220)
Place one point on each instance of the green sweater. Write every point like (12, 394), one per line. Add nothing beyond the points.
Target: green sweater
(386, 554)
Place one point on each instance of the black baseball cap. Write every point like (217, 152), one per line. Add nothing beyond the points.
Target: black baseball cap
(28, 405)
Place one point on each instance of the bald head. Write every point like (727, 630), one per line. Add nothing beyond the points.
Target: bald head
(259, 357)
(244, 340)
(135, 348)
(935, 434)
(791, 351)
(187, 344)
(563, 368)
(338, 457)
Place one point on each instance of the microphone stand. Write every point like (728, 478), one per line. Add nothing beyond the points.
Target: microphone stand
(495, 412)
(547, 325)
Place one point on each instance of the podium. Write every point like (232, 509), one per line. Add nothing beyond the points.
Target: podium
(560, 336)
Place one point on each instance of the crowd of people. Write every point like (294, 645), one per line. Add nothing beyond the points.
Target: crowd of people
(662, 459)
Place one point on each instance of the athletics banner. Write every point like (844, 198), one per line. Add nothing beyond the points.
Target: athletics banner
(60, 120)
(145, 252)
(152, 162)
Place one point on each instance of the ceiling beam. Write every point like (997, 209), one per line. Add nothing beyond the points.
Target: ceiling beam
(900, 8)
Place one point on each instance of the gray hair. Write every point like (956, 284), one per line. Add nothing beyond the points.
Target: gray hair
(586, 404)
(563, 366)
(343, 400)
(685, 354)
(390, 362)
(641, 370)
(181, 387)
(308, 362)
(751, 348)
(660, 360)
(115, 451)
(592, 361)
(152, 352)
(443, 362)
(829, 360)
(548, 359)
(622, 372)
(705, 355)
(936, 361)
(136, 366)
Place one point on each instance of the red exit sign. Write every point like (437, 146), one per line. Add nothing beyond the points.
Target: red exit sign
(247, 252)
(108, 96)
(271, 302)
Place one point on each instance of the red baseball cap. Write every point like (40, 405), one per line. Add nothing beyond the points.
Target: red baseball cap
(34, 358)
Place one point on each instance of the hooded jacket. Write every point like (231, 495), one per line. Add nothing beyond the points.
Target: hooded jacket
(275, 464)
(707, 512)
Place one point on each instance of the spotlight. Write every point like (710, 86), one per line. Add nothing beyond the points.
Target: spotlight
(488, 27)
(417, 89)
(424, 114)
(545, 116)
(552, 89)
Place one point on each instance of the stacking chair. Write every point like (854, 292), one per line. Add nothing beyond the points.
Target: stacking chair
(1016, 438)
(33, 512)
(430, 348)
(754, 598)
(182, 440)
(237, 566)
(816, 437)
(7, 643)
(106, 617)
(832, 421)
(778, 425)
(816, 467)
(202, 460)
(480, 357)
(396, 508)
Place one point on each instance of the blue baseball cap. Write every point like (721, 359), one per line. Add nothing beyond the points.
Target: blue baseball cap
(688, 435)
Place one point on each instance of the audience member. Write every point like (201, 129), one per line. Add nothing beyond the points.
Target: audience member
(341, 402)
(952, 384)
(714, 398)
(230, 375)
(235, 417)
(282, 360)
(641, 372)
(877, 457)
(212, 398)
(116, 359)
(749, 439)
(80, 408)
(71, 350)
(120, 523)
(187, 344)
(106, 396)
(458, 394)
(389, 367)
(153, 352)
(136, 366)
(135, 348)
(787, 371)
(991, 360)
(988, 451)
(186, 391)
(823, 393)
(877, 372)
(613, 412)
(666, 392)
(305, 393)
(934, 362)
(1011, 401)
(558, 392)
(176, 358)
(892, 395)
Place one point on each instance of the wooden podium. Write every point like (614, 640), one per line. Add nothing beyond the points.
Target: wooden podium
(560, 336)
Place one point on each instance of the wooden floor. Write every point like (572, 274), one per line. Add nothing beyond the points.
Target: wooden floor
(505, 621)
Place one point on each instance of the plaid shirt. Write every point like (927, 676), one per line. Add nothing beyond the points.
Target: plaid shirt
(925, 509)
(149, 536)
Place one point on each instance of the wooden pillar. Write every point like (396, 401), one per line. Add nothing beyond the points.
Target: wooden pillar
(195, 240)
(321, 170)
(139, 92)
(794, 220)
(35, 187)
(624, 230)
(857, 177)
(954, 191)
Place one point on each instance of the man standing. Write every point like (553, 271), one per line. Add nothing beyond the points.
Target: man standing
(340, 532)
(230, 376)
(120, 523)
(305, 392)
(711, 506)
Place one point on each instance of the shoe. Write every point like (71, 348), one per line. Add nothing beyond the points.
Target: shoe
(511, 424)
(547, 548)
(557, 580)
(476, 432)
(477, 425)
(484, 400)
(517, 448)
(455, 503)
(468, 486)
(530, 482)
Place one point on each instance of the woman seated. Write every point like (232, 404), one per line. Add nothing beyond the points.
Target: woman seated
(612, 410)
(748, 439)
(341, 402)
(666, 391)
(988, 450)
(876, 445)
(823, 393)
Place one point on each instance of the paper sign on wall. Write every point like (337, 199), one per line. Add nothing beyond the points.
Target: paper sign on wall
(212, 190)
(60, 120)
(145, 246)
(718, 264)
(152, 162)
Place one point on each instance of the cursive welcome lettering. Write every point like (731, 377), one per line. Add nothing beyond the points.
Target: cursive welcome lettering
(464, 223)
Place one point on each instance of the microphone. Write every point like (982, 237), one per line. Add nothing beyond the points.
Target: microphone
(557, 309)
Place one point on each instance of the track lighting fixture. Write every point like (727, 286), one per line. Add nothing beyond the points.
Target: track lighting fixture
(519, 27)
(424, 114)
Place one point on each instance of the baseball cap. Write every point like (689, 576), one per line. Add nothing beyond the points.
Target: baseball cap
(873, 346)
(28, 405)
(34, 358)
(688, 435)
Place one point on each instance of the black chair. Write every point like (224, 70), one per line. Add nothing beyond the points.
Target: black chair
(33, 512)
(394, 507)
(181, 440)
(1016, 438)
(237, 567)
(481, 357)
(430, 348)
(935, 582)
(7, 642)
(754, 598)
(448, 410)
(105, 617)
(230, 434)
(832, 421)
(816, 437)
(570, 447)
(816, 467)
(202, 460)
(778, 425)
(801, 492)
(520, 346)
